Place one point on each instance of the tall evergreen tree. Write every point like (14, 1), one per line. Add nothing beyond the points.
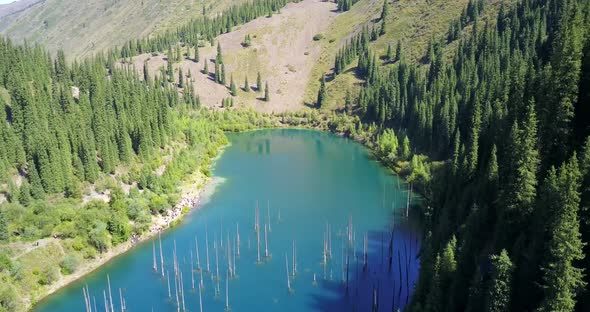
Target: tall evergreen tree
(4, 234)
(258, 82)
(180, 77)
(322, 93)
(562, 280)
(384, 10)
(246, 84)
(498, 293)
(266, 93)
(232, 86)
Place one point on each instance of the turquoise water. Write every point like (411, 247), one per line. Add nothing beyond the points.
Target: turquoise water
(312, 181)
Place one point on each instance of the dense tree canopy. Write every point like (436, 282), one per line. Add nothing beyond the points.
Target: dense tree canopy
(510, 104)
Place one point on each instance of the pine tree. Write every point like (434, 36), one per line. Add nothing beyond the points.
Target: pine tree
(385, 10)
(474, 138)
(146, 74)
(246, 84)
(217, 73)
(4, 234)
(258, 82)
(566, 63)
(398, 51)
(389, 54)
(322, 92)
(498, 293)
(219, 58)
(520, 191)
(180, 78)
(232, 87)
(197, 56)
(348, 102)
(266, 93)
(406, 148)
(562, 280)
(223, 81)
(170, 71)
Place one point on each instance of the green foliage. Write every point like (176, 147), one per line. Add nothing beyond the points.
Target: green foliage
(345, 5)
(246, 84)
(498, 111)
(232, 87)
(69, 264)
(258, 82)
(266, 93)
(498, 294)
(8, 298)
(322, 92)
(4, 234)
(318, 37)
(388, 144)
(562, 280)
(247, 41)
(48, 275)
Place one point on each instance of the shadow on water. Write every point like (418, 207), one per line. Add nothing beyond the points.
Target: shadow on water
(381, 286)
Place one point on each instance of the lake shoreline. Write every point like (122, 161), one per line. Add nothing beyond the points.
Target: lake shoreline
(206, 186)
(160, 224)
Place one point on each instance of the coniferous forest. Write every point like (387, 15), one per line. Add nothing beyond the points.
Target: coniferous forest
(493, 123)
(508, 224)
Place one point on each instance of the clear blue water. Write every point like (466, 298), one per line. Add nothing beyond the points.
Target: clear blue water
(314, 180)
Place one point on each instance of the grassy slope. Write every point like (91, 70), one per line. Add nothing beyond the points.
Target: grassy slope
(83, 27)
(414, 22)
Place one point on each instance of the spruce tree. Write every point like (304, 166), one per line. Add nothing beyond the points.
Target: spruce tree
(258, 82)
(322, 93)
(246, 84)
(384, 10)
(146, 74)
(217, 73)
(223, 81)
(406, 148)
(180, 78)
(232, 86)
(4, 234)
(219, 58)
(498, 290)
(562, 280)
(266, 93)
(389, 54)
(197, 56)
(170, 71)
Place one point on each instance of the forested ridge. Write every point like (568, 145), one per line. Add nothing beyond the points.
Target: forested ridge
(507, 221)
(203, 29)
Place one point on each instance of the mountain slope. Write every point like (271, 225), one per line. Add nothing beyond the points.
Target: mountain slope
(83, 27)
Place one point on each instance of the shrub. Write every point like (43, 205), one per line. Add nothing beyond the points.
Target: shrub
(318, 37)
(69, 264)
(48, 276)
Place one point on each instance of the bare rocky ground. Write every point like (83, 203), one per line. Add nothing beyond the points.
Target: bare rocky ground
(282, 50)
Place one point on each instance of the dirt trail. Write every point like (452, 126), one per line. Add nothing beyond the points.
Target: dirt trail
(282, 50)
